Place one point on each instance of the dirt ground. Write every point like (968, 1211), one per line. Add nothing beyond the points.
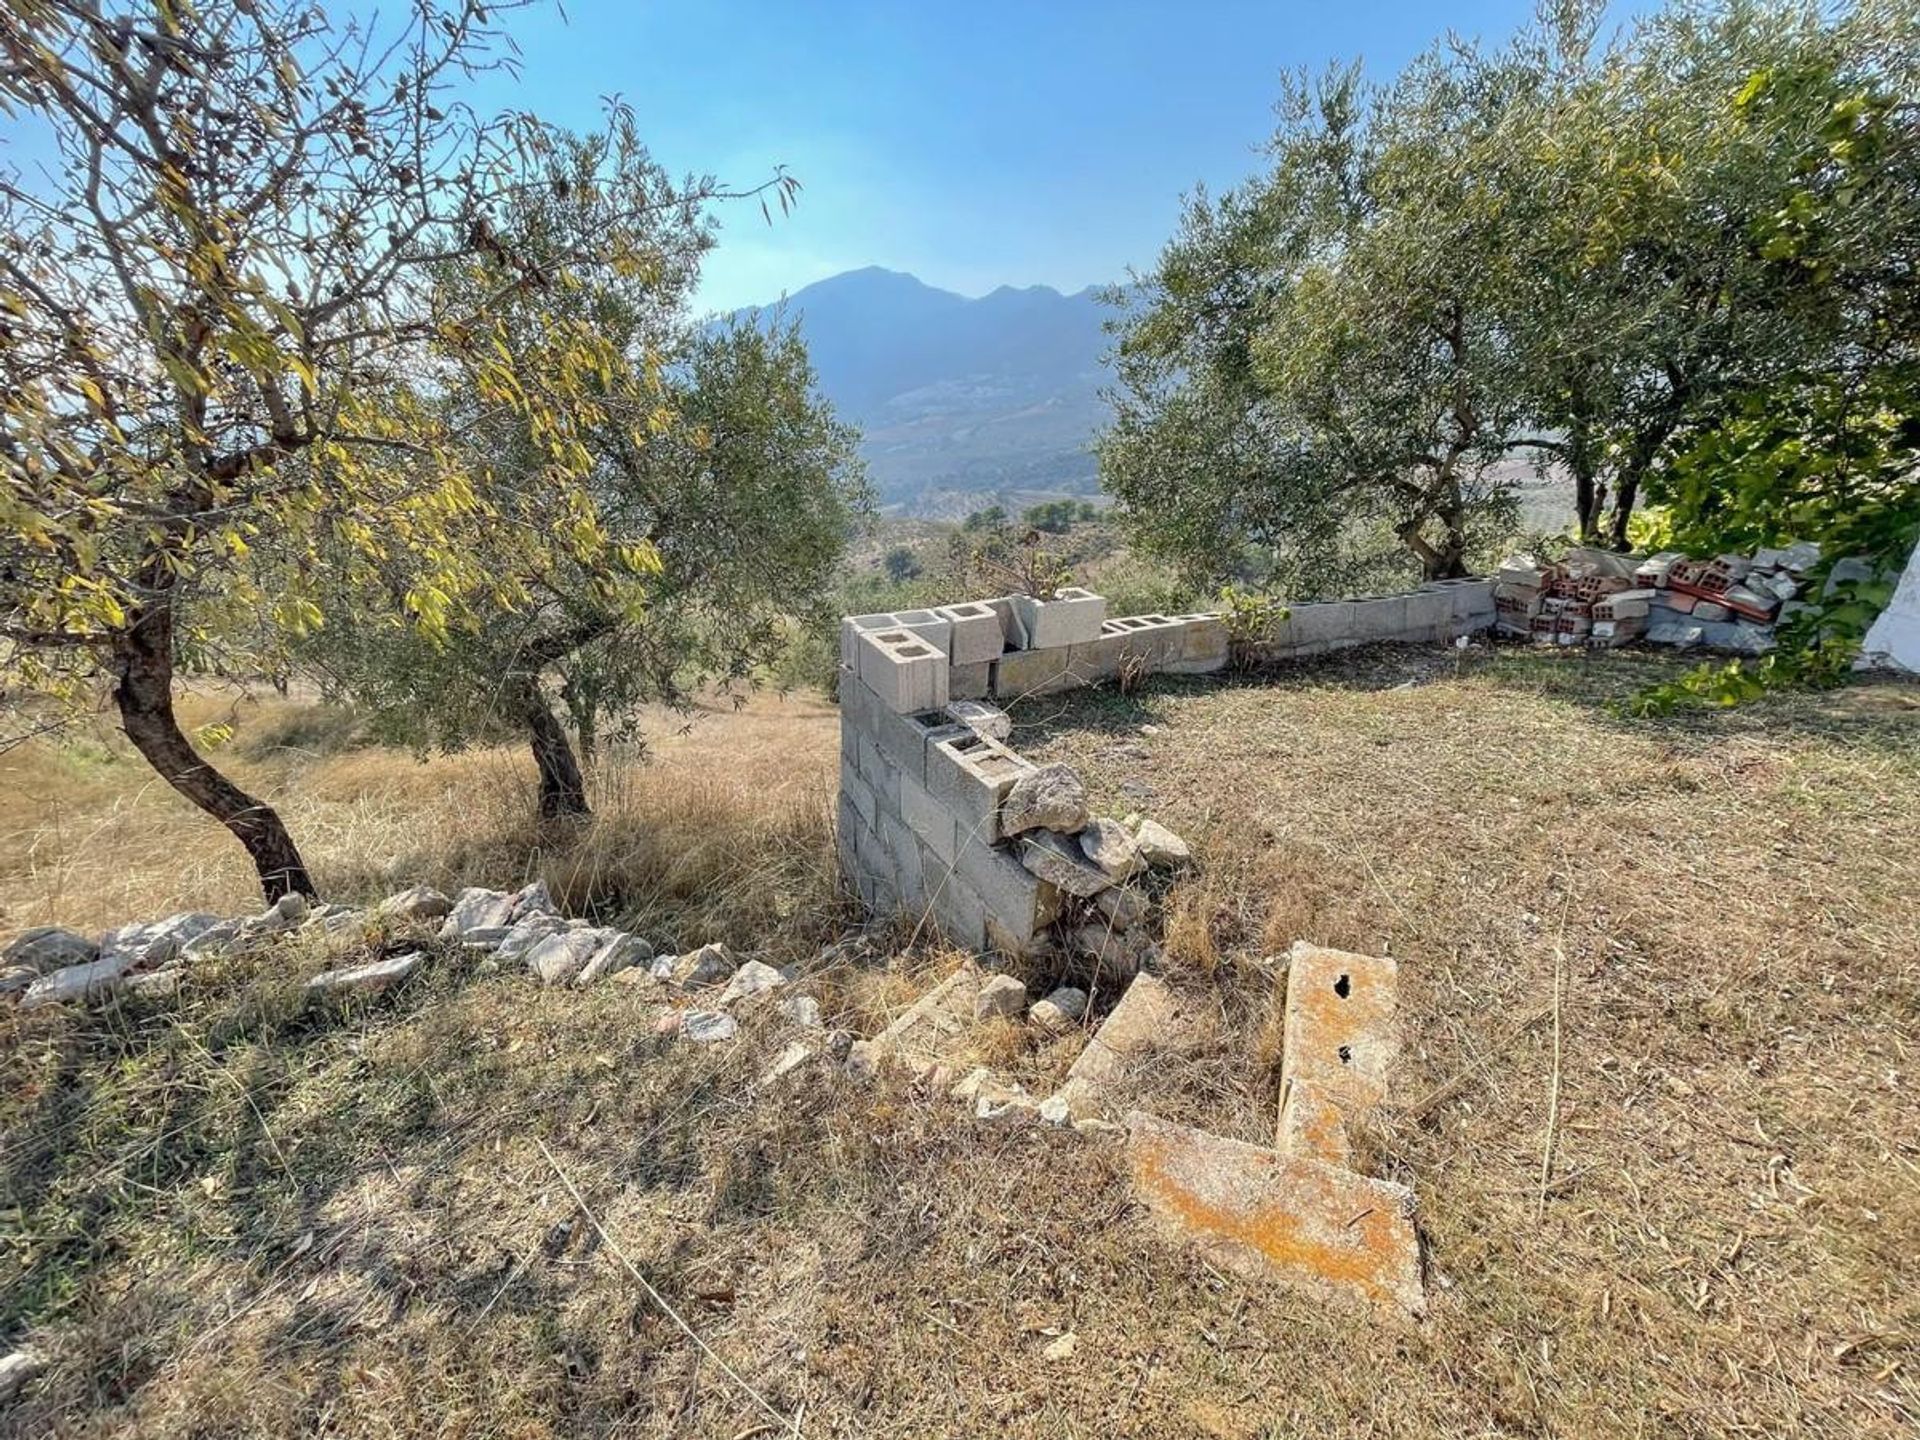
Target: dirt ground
(1692, 944)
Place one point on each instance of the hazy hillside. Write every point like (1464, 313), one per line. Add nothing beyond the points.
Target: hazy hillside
(960, 399)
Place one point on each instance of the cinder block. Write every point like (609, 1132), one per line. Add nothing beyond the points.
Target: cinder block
(1342, 1032)
(1151, 642)
(969, 775)
(859, 792)
(902, 740)
(927, 818)
(1263, 1213)
(908, 872)
(1322, 627)
(872, 766)
(970, 682)
(1379, 617)
(1205, 646)
(1429, 615)
(1012, 632)
(1020, 673)
(1020, 903)
(857, 702)
(927, 624)
(960, 914)
(1072, 617)
(976, 636)
(906, 673)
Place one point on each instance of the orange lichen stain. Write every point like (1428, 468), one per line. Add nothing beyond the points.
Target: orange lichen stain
(1312, 1125)
(1332, 1227)
(1340, 1022)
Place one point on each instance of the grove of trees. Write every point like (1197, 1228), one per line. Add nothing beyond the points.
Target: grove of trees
(303, 359)
(1675, 265)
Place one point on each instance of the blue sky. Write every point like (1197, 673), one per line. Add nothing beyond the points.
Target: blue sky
(973, 144)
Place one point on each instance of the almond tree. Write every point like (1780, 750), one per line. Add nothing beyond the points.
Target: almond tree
(225, 319)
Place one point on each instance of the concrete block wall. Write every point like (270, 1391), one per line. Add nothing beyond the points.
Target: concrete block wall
(922, 778)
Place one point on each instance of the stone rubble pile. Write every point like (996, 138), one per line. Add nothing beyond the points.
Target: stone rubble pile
(1598, 599)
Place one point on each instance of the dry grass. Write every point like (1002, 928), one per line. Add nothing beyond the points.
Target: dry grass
(231, 1215)
(728, 826)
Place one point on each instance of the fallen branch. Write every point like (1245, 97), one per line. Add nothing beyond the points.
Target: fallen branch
(659, 1299)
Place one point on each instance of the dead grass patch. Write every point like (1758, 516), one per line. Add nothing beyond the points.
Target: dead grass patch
(230, 1214)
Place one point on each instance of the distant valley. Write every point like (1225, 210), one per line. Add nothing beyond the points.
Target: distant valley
(962, 401)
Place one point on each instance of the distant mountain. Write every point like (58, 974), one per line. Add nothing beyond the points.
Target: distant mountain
(961, 401)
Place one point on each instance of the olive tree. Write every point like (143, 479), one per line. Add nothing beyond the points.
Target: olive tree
(712, 460)
(225, 317)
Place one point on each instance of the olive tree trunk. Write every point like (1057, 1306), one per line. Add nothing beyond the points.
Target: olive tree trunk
(563, 789)
(143, 693)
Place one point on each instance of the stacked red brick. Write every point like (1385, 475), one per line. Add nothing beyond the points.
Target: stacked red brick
(1595, 598)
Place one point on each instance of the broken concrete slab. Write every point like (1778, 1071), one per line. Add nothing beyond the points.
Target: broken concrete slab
(1146, 1019)
(1262, 1213)
(1341, 1032)
(982, 718)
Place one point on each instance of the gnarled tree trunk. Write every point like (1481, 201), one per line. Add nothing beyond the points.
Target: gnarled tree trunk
(563, 789)
(143, 691)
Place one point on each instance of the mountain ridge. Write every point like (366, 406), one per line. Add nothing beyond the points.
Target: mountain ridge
(960, 400)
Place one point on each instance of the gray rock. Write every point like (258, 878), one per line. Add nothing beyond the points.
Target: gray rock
(1111, 848)
(705, 1027)
(534, 899)
(419, 902)
(1122, 907)
(76, 982)
(1848, 569)
(16, 1371)
(1058, 861)
(156, 984)
(1050, 798)
(477, 909)
(1116, 954)
(755, 977)
(342, 919)
(562, 955)
(16, 978)
(802, 1010)
(1800, 556)
(1060, 1010)
(483, 937)
(283, 915)
(620, 951)
(525, 934)
(214, 940)
(790, 1059)
(1161, 848)
(709, 965)
(49, 947)
(365, 979)
(1002, 995)
(1740, 639)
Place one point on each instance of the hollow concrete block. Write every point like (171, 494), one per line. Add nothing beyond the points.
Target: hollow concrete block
(906, 673)
(975, 635)
(969, 774)
(1071, 617)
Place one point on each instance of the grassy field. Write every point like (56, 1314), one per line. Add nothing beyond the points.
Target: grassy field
(230, 1214)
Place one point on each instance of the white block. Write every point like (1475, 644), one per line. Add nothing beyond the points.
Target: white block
(976, 635)
(906, 673)
(1072, 617)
